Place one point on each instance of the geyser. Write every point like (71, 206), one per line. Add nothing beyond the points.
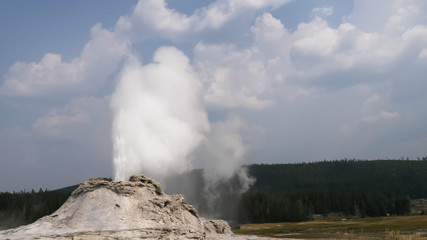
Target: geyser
(161, 128)
(158, 116)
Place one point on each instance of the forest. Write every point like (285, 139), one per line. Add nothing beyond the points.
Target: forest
(296, 192)
(18, 208)
(281, 192)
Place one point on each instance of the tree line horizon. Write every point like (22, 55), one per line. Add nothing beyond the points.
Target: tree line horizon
(281, 192)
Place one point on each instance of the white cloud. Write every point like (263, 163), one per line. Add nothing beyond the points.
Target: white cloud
(322, 11)
(236, 77)
(52, 76)
(153, 18)
(394, 14)
(365, 14)
(53, 123)
(355, 73)
(389, 115)
(233, 78)
(402, 19)
(80, 117)
(383, 115)
(372, 110)
(372, 99)
(156, 15)
(423, 54)
(316, 88)
(271, 37)
(315, 38)
(319, 48)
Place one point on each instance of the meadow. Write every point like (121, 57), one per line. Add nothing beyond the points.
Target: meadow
(393, 227)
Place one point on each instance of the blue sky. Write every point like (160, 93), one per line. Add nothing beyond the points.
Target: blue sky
(288, 81)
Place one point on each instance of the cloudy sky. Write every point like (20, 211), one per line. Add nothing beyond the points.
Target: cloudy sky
(297, 80)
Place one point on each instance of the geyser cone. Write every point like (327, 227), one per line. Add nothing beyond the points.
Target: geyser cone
(135, 209)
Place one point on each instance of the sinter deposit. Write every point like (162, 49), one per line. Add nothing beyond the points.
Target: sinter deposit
(137, 209)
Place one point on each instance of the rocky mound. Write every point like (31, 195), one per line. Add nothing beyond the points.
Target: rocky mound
(136, 209)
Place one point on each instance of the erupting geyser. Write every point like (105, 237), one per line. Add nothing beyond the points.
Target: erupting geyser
(159, 122)
(158, 116)
(161, 128)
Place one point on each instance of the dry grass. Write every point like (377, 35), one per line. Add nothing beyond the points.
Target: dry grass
(390, 235)
(400, 227)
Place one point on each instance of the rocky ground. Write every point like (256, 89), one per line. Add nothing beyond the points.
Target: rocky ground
(135, 209)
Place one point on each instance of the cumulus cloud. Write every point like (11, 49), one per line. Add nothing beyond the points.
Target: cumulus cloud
(317, 61)
(316, 87)
(314, 53)
(233, 78)
(321, 48)
(394, 14)
(50, 76)
(236, 77)
(404, 18)
(153, 18)
(271, 38)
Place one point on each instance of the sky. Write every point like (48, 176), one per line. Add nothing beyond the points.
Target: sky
(293, 81)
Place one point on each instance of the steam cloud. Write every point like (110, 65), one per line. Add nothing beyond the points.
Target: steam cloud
(161, 128)
(158, 116)
(223, 155)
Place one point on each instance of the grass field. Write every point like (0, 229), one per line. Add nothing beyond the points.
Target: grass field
(396, 227)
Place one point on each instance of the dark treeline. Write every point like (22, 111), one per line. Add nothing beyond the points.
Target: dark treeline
(296, 192)
(281, 192)
(259, 207)
(389, 177)
(19, 208)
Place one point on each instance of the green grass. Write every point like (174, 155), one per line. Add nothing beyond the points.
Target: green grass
(328, 229)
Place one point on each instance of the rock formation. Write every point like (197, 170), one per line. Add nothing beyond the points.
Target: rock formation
(136, 209)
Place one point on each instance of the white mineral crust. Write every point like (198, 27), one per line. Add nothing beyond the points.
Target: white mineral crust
(136, 209)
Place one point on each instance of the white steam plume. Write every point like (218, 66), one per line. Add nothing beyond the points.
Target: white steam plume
(223, 154)
(158, 116)
(159, 121)
(222, 158)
